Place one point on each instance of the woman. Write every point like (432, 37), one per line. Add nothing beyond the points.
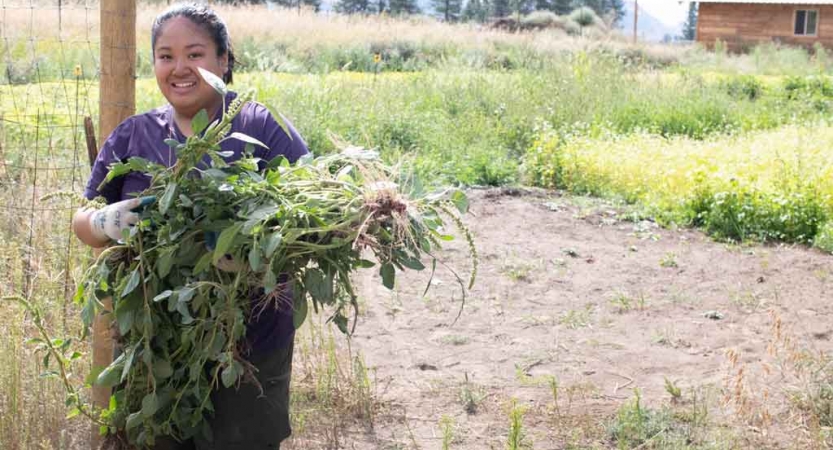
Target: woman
(184, 38)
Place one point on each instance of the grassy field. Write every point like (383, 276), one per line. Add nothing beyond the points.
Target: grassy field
(737, 145)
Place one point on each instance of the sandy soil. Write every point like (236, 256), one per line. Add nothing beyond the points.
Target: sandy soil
(571, 291)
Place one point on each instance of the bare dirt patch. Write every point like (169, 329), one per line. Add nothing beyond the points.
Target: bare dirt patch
(577, 308)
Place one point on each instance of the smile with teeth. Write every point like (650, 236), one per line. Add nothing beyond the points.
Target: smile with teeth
(184, 85)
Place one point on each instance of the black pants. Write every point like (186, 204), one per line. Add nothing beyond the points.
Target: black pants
(243, 418)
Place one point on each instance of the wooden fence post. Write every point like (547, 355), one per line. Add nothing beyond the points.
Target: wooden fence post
(117, 101)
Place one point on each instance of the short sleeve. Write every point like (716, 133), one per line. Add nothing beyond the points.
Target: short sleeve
(277, 140)
(114, 150)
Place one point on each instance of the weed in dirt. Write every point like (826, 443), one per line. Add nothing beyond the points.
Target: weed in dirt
(517, 439)
(471, 396)
(673, 390)
(636, 425)
(807, 376)
(748, 300)
(622, 302)
(454, 339)
(669, 260)
(447, 430)
(575, 319)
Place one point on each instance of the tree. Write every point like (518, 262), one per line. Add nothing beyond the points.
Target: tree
(500, 8)
(399, 7)
(690, 25)
(617, 10)
(354, 6)
(562, 7)
(315, 4)
(544, 5)
(449, 10)
(476, 10)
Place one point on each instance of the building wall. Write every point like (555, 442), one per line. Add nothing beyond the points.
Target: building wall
(742, 25)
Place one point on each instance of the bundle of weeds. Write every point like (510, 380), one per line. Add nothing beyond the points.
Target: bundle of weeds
(224, 242)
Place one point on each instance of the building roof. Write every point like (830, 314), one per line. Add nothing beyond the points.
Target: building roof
(773, 2)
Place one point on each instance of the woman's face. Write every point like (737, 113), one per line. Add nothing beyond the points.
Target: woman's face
(181, 47)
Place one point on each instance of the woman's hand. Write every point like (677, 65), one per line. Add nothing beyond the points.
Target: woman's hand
(97, 227)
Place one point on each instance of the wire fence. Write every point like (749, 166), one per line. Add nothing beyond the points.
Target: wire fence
(49, 51)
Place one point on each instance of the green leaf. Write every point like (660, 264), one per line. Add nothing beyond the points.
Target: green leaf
(132, 282)
(128, 362)
(270, 281)
(461, 202)
(411, 263)
(111, 375)
(167, 198)
(225, 240)
(271, 243)
(133, 421)
(230, 374)
(74, 412)
(163, 295)
(319, 285)
(247, 139)
(254, 259)
(388, 273)
(185, 294)
(165, 262)
(172, 143)
(150, 404)
(200, 122)
(203, 263)
(300, 308)
(431, 278)
(116, 170)
(162, 369)
(214, 81)
(364, 264)
(182, 308)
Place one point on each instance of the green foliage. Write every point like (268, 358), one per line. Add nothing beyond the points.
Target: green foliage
(635, 424)
(742, 215)
(824, 238)
(448, 10)
(181, 315)
(585, 17)
(517, 438)
(746, 87)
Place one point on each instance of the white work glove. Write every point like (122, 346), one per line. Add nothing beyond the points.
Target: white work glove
(112, 220)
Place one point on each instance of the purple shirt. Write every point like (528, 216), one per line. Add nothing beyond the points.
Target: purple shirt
(144, 136)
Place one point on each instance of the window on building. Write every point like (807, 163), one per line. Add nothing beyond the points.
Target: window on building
(806, 22)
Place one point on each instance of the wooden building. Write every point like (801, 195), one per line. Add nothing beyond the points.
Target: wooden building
(742, 24)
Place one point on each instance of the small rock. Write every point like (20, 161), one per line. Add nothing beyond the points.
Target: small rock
(713, 315)
(424, 366)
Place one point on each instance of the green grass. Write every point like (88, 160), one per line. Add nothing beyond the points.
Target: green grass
(772, 185)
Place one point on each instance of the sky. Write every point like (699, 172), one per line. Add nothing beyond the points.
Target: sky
(669, 12)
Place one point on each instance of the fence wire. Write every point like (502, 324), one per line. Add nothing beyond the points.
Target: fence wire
(49, 51)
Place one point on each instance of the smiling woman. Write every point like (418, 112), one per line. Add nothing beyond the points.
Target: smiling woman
(182, 43)
(187, 39)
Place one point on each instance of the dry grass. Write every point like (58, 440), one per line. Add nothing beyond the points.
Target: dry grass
(305, 30)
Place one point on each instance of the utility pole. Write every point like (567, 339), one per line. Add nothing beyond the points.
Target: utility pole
(635, 18)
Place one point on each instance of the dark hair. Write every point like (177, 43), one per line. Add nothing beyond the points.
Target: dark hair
(208, 20)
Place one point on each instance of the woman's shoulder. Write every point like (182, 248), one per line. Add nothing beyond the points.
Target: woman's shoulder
(158, 117)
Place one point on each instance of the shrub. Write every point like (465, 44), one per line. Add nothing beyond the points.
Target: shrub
(824, 238)
(542, 19)
(746, 87)
(585, 17)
